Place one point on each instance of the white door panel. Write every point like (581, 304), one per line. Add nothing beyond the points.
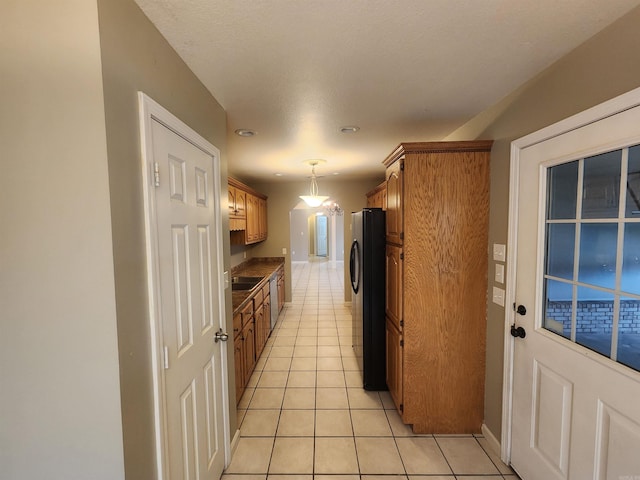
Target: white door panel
(185, 213)
(575, 412)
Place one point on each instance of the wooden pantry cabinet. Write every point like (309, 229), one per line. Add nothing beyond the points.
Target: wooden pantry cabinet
(436, 283)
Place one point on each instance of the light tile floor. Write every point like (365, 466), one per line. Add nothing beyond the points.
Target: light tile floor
(305, 416)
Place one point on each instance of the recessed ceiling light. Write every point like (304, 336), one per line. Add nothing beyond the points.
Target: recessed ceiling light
(278, 174)
(336, 173)
(349, 129)
(245, 132)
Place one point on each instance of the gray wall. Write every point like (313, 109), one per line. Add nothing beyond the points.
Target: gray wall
(299, 235)
(603, 67)
(136, 57)
(59, 388)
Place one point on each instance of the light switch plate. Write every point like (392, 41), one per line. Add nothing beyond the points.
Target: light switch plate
(284, 251)
(226, 280)
(499, 273)
(498, 296)
(499, 252)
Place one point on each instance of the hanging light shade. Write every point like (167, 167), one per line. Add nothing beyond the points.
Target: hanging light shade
(313, 199)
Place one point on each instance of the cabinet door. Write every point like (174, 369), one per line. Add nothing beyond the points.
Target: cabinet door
(393, 290)
(232, 201)
(281, 292)
(238, 349)
(241, 203)
(237, 324)
(394, 363)
(259, 330)
(266, 317)
(253, 225)
(249, 347)
(393, 224)
(262, 219)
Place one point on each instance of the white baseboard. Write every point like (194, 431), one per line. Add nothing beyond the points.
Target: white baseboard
(492, 441)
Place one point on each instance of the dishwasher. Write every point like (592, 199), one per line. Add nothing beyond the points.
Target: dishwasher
(273, 292)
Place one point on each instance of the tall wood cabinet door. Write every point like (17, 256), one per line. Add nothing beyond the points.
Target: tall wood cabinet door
(394, 225)
(394, 364)
(393, 290)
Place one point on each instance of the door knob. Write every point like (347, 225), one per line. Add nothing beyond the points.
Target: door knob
(521, 310)
(518, 332)
(220, 336)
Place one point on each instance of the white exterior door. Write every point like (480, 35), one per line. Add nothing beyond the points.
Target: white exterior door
(187, 302)
(576, 384)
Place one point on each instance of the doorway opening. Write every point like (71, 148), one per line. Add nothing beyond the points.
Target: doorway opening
(316, 235)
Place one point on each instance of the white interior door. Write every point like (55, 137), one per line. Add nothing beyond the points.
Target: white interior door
(576, 379)
(187, 303)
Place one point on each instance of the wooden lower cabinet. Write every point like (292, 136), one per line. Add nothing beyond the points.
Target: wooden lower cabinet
(244, 347)
(251, 330)
(281, 291)
(238, 350)
(249, 345)
(394, 363)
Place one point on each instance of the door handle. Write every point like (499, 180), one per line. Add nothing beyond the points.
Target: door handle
(518, 332)
(220, 336)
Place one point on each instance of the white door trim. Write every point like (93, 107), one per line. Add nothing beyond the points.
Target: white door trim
(611, 107)
(150, 110)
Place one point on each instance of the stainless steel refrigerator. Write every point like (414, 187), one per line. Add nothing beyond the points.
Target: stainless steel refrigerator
(367, 273)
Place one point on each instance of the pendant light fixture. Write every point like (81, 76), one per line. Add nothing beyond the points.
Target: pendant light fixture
(313, 199)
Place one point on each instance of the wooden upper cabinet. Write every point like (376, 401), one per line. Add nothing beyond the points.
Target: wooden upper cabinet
(262, 219)
(377, 198)
(237, 202)
(253, 219)
(247, 214)
(393, 222)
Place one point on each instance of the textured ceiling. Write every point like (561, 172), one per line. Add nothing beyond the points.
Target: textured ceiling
(295, 71)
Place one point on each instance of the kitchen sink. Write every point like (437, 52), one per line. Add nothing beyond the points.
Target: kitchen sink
(254, 280)
(244, 283)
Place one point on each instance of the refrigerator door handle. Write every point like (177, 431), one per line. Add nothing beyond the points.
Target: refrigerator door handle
(354, 266)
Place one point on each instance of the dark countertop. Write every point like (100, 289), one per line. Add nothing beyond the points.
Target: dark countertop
(254, 267)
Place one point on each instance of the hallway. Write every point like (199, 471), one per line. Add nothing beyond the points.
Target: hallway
(305, 414)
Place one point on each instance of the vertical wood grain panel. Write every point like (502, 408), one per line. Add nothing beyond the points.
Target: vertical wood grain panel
(446, 201)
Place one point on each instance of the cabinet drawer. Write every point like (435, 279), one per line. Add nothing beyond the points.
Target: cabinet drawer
(266, 291)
